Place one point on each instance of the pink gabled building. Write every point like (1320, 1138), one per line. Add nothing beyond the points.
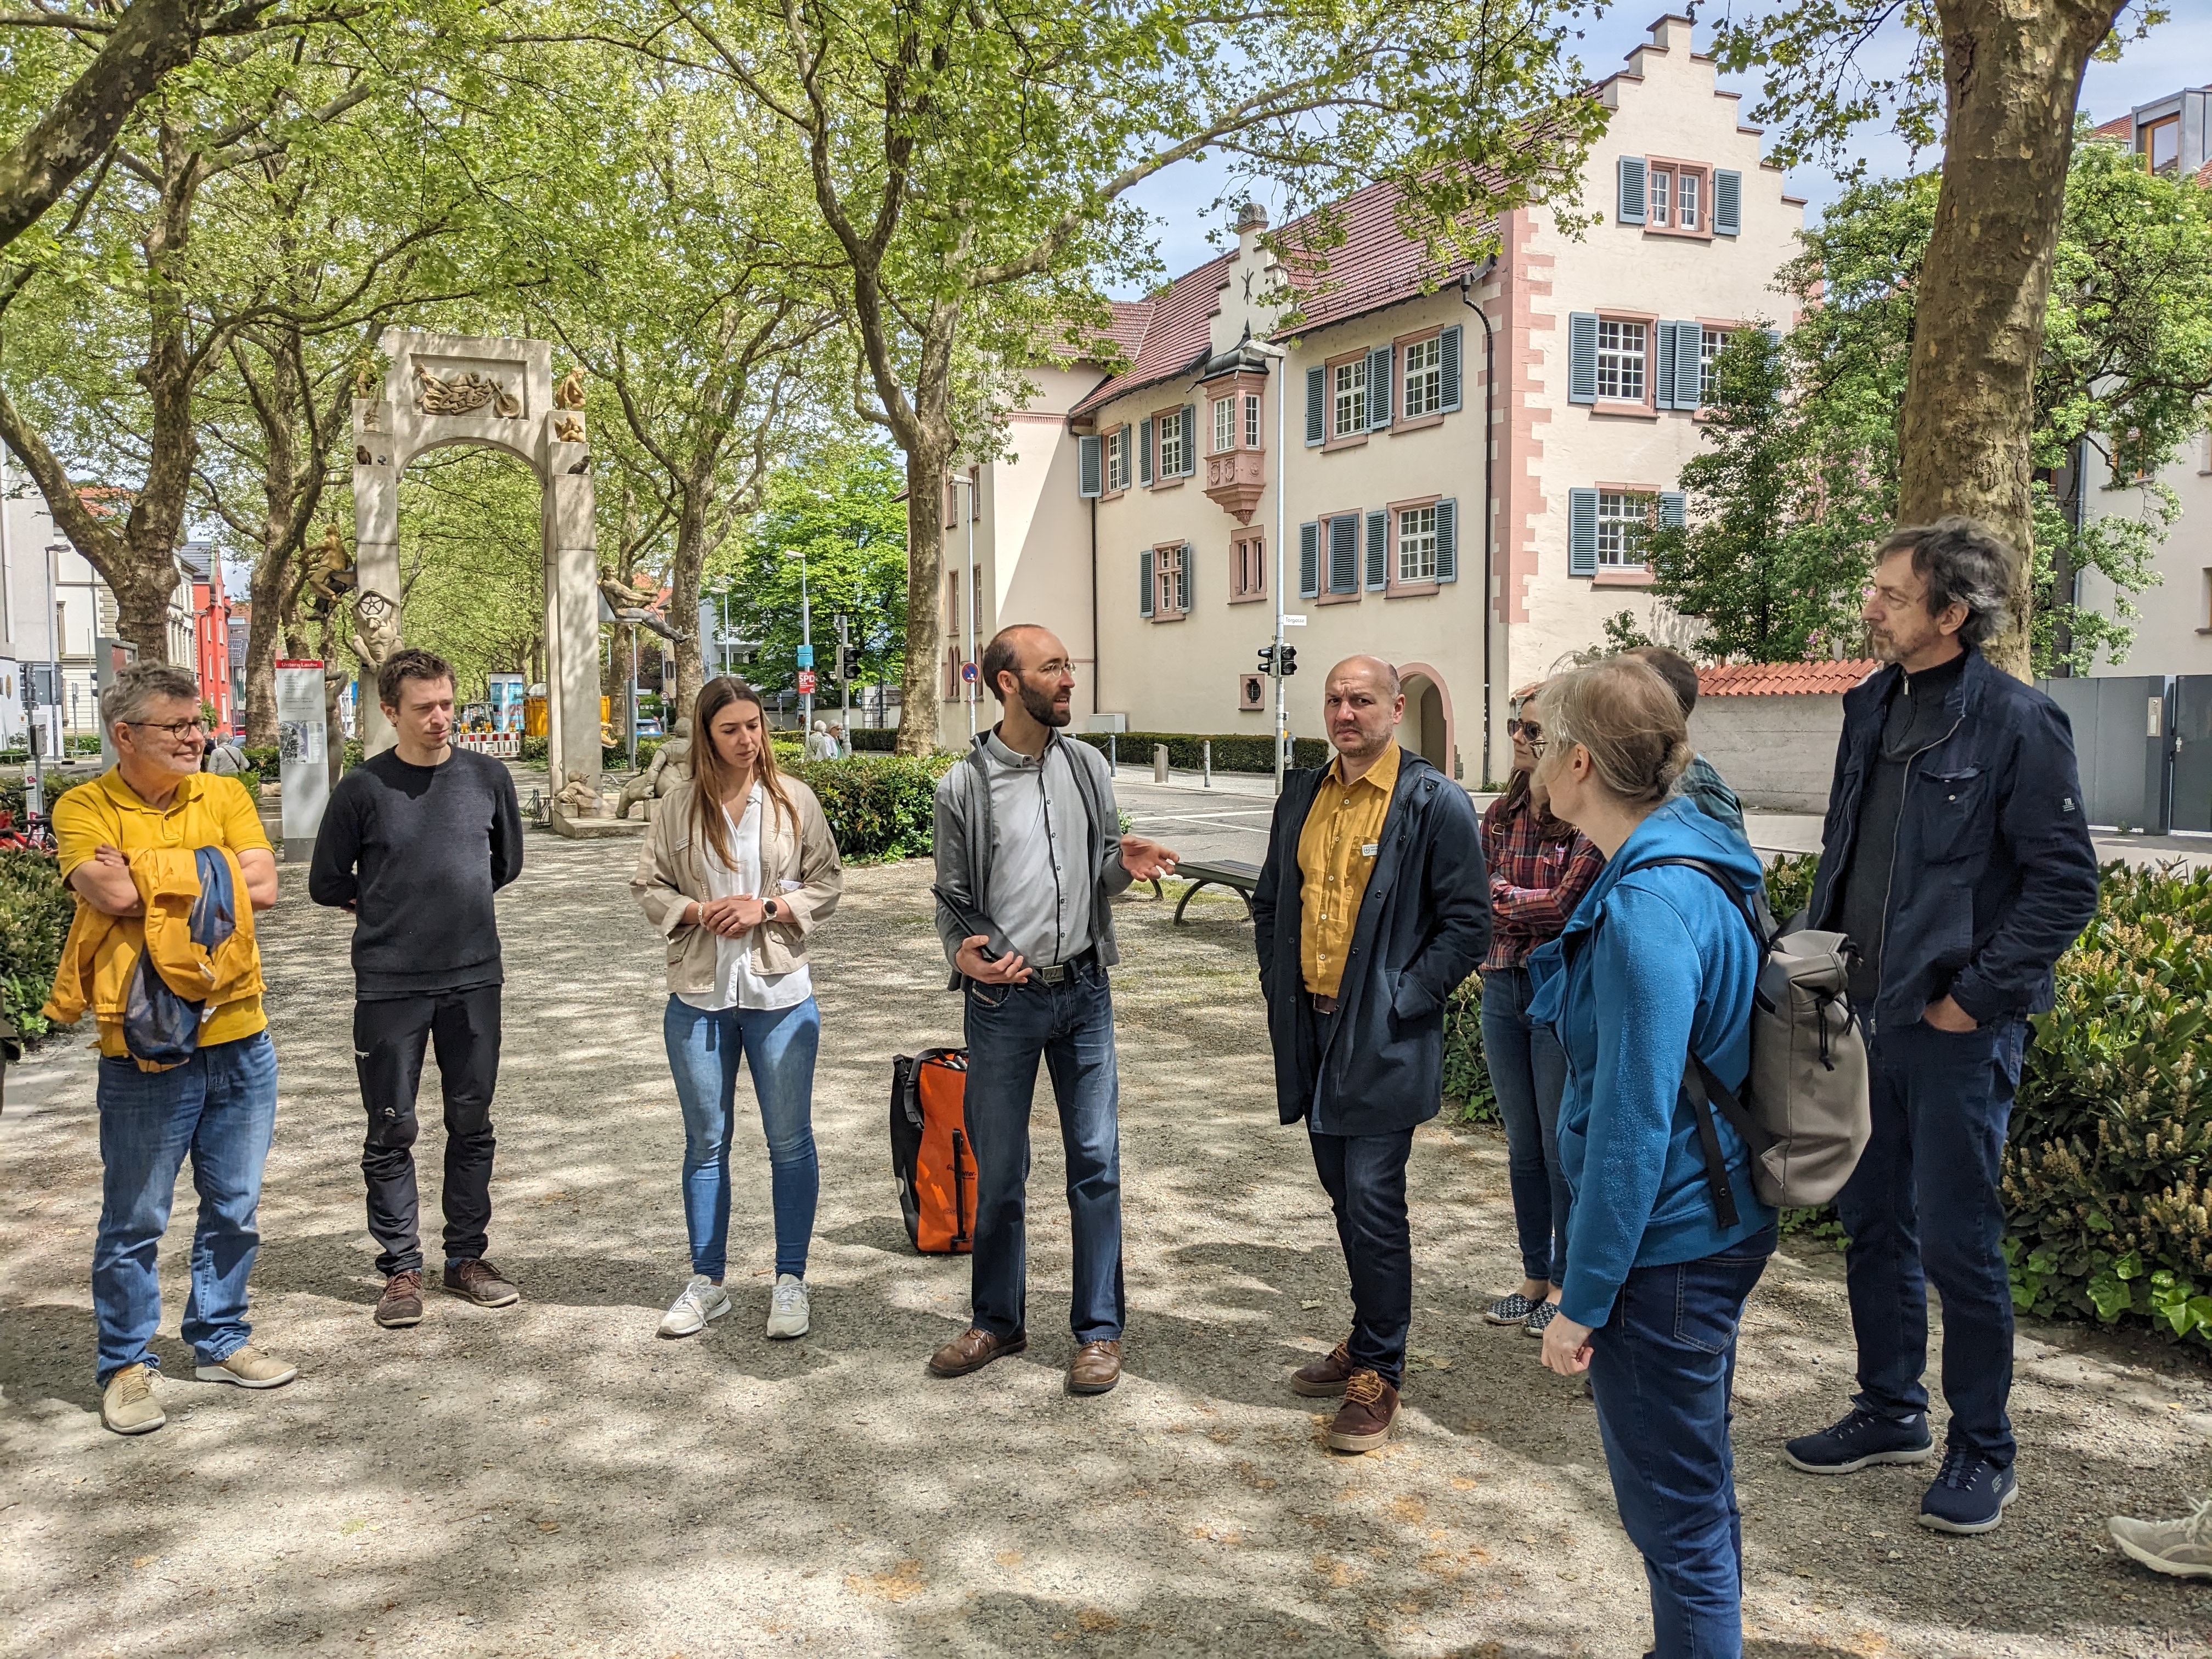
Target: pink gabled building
(1138, 516)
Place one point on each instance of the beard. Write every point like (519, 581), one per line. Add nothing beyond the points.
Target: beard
(1043, 709)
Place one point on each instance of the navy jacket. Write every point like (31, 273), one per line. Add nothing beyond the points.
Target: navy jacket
(1995, 874)
(1423, 926)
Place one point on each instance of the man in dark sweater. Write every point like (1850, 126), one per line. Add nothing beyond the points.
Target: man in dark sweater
(1956, 859)
(415, 841)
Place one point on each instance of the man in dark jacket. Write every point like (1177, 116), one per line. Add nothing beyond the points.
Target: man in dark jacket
(1372, 908)
(1956, 859)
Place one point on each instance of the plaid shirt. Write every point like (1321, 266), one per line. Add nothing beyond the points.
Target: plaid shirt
(1534, 885)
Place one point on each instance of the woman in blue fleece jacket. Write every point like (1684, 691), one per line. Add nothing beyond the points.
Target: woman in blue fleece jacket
(1653, 963)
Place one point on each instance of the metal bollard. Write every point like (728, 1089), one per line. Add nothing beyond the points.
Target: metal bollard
(1113, 758)
(1205, 755)
(1159, 762)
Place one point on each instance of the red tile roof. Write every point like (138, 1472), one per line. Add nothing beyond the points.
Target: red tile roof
(1776, 679)
(1164, 335)
(2120, 126)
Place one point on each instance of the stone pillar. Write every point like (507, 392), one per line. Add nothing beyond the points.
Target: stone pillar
(376, 468)
(573, 618)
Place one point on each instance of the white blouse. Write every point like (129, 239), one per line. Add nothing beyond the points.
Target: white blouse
(735, 984)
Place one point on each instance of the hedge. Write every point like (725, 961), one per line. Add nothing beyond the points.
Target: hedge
(35, 911)
(879, 806)
(2107, 1169)
(1233, 751)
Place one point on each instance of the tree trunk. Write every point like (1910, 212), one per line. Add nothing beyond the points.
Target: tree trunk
(919, 699)
(683, 590)
(2012, 70)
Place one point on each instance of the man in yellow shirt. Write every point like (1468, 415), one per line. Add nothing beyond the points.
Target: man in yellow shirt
(1371, 908)
(220, 1106)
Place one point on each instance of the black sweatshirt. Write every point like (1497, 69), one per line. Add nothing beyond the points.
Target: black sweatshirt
(419, 851)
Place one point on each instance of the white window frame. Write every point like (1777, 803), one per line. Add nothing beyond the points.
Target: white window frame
(1417, 543)
(1685, 200)
(1424, 377)
(1168, 431)
(1347, 383)
(1251, 420)
(1225, 425)
(1660, 190)
(1170, 583)
(1711, 343)
(1618, 510)
(1628, 363)
(1117, 461)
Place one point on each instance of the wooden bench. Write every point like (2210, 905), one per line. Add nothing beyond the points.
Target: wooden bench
(1221, 872)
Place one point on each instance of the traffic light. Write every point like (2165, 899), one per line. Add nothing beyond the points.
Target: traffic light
(1267, 660)
(848, 664)
(1288, 657)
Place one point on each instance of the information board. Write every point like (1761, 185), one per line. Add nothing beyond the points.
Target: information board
(302, 754)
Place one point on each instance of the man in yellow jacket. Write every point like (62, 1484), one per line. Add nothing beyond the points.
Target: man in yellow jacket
(221, 1105)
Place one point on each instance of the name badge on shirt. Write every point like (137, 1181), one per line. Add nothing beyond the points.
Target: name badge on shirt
(1368, 850)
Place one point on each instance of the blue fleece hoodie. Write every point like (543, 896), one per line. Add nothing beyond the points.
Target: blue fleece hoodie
(1651, 962)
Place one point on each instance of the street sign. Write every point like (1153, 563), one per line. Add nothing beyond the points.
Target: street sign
(805, 659)
(806, 681)
(967, 672)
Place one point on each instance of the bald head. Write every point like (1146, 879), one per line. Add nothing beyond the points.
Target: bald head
(1385, 674)
(1362, 705)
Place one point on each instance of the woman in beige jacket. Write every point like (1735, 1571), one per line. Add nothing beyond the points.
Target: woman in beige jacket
(739, 868)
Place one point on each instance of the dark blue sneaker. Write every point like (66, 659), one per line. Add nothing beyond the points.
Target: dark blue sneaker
(1861, 1439)
(1969, 1494)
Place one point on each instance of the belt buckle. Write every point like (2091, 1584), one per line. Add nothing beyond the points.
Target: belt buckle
(1053, 974)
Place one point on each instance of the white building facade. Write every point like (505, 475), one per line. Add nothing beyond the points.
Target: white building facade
(1138, 519)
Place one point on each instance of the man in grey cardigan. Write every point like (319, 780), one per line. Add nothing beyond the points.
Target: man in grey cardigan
(1029, 854)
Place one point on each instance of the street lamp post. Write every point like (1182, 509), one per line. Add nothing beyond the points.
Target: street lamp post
(1282, 466)
(806, 640)
(970, 690)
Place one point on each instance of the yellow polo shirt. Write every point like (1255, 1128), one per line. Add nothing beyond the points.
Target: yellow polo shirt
(1337, 847)
(207, 810)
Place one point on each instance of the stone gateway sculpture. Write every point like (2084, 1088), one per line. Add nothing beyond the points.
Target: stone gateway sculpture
(457, 394)
(569, 394)
(331, 575)
(671, 765)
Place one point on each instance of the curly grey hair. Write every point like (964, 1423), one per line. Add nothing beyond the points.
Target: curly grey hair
(142, 685)
(1963, 560)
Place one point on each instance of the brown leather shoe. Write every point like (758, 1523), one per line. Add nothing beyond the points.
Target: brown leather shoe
(482, 1284)
(1325, 1377)
(402, 1300)
(1364, 1421)
(1096, 1368)
(972, 1350)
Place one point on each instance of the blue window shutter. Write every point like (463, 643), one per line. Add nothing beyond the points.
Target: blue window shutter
(1582, 532)
(1448, 374)
(1145, 582)
(1727, 202)
(1581, 357)
(1674, 509)
(1631, 190)
(1344, 554)
(1378, 538)
(1090, 452)
(1447, 540)
(1689, 364)
(1665, 356)
(1144, 452)
(1189, 439)
(1309, 560)
(1378, 386)
(1316, 397)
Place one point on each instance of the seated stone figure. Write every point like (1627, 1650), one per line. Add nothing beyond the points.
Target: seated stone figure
(671, 765)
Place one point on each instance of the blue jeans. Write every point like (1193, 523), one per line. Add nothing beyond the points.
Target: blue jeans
(1070, 1026)
(221, 1107)
(1364, 1177)
(1662, 1368)
(1528, 1070)
(778, 1045)
(1922, 1206)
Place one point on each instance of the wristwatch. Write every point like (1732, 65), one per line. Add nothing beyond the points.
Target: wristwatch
(770, 909)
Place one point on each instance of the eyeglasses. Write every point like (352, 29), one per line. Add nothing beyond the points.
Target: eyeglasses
(178, 730)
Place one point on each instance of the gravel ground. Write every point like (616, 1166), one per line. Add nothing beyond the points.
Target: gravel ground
(552, 1478)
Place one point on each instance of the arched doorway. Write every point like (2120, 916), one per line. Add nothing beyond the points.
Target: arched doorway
(441, 390)
(1427, 729)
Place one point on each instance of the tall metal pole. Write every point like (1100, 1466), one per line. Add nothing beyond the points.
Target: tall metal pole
(1282, 464)
(970, 689)
(806, 639)
(54, 656)
(845, 680)
(631, 694)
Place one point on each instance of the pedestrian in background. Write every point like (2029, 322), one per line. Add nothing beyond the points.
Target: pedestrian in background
(1370, 911)
(1658, 964)
(1029, 855)
(117, 840)
(738, 870)
(415, 842)
(1540, 867)
(1956, 858)
(1701, 780)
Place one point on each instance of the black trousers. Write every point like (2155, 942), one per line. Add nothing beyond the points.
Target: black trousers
(1364, 1177)
(389, 1037)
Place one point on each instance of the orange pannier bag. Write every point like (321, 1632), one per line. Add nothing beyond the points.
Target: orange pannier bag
(930, 1153)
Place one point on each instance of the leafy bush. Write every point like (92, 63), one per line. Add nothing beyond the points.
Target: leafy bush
(264, 758)
(868, 739)
(879, 806)
(35, 911)
(536, 751)
(2108, 1168)
(1233, 751)
(616, 756)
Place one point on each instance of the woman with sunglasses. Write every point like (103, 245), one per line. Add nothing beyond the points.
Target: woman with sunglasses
(1539, 868)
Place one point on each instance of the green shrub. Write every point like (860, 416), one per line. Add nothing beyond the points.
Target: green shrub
(536, 751)
(615, 756)
(879, 806)
(35, 911)
(1233, 751)
(264, 758)
(868, 739)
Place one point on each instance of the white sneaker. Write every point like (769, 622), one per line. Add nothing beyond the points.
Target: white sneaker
(789, 1308)
(702, 1299)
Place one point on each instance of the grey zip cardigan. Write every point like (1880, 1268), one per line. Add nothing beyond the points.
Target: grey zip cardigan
(964, 843)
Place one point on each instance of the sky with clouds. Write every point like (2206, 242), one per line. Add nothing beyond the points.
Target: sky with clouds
(2175, 54)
